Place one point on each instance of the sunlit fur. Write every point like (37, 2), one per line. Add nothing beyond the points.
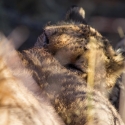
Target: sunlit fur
(73, 43)
(73, 101)
(21, 100)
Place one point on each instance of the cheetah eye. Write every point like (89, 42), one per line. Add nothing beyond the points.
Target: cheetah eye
(78, 57)
(73, 67)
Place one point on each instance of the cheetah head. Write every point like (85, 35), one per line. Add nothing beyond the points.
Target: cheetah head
(82, 49)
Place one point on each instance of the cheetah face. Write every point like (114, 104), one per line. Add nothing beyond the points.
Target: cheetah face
(69, 42)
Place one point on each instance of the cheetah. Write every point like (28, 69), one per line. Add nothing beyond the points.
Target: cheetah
(59, 64)
(66, 88)
(21, 99)
(77, 45)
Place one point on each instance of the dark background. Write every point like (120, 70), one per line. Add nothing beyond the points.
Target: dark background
(107, 16)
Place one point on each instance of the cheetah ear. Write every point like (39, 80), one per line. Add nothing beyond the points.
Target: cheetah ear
(42, 40)
(76, 14)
